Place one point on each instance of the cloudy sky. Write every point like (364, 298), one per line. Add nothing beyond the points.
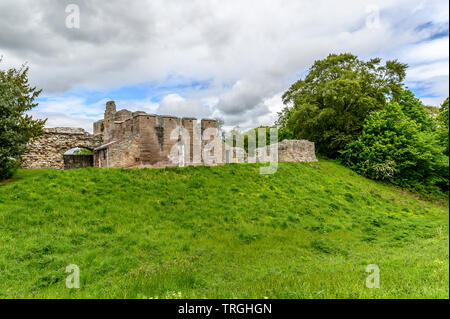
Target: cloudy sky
(228, 59)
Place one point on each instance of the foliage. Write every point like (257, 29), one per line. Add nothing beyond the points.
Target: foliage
(308, 231)
(399, 148)
(82, 151)
(443, 130)
(16, 127)
(330, 105)
(413, 108)
(433, 111)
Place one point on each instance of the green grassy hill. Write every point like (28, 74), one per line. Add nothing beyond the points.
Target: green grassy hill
(308, 231)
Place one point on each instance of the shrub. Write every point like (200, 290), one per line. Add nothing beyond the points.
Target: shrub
(394, 147)
(443, 126)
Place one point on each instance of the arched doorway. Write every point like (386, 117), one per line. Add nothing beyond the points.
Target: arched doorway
(78, 157)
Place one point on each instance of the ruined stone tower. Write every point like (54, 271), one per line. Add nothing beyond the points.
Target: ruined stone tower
(109, 120)
(138, 139)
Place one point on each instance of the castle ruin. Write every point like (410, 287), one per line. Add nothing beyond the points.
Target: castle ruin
(137, 139)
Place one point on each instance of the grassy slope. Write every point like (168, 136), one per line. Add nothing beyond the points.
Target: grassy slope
(309, 231)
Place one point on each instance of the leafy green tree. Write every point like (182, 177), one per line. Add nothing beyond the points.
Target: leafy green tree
(330, 105)
(396, 148)
(443, 131)
(16, 128)
(413, 108)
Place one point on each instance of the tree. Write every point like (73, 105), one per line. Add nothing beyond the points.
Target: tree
(443, 130)
(16, 128)
(413, 108)
(396, 148)
(330, 105)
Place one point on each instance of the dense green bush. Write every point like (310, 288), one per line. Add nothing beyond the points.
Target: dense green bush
(399, 144)
(413, 108)
(442, 121)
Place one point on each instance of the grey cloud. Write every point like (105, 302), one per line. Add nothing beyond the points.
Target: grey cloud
(260, 47)
(114, 20)
(242, 97)
(248, 118)
(175, 105)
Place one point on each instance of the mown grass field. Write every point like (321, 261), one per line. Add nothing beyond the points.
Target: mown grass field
(308, 231)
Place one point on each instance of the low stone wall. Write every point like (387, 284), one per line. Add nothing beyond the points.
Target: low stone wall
(296, 151)
(289, 151)
(47, 150)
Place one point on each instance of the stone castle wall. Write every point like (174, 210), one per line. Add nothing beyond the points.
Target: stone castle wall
(47, 151)
(296, 151)
(287, 151)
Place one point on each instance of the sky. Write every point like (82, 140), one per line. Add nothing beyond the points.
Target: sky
(209, 59)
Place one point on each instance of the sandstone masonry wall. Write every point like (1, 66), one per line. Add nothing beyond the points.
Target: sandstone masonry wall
(47, 151)
(296, 151)
(289, 151)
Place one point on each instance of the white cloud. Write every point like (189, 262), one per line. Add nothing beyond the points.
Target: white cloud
(433, 101)
(426, 51)
(71, 105)
(275, 105)
(249, 51)
(174, 104)
(62, 120)
(428, 71)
